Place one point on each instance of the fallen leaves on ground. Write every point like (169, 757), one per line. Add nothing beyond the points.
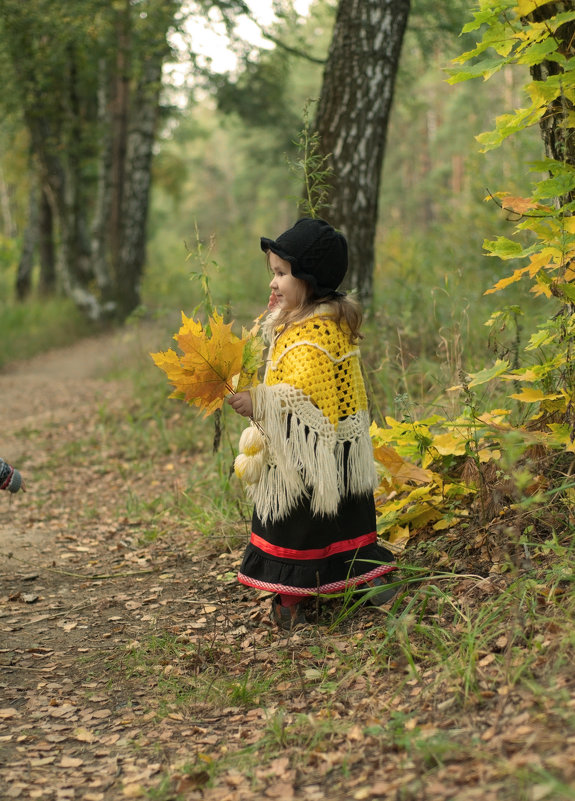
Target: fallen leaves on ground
(136, 665)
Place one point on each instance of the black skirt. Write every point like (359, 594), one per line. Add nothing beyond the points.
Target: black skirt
(306, 554)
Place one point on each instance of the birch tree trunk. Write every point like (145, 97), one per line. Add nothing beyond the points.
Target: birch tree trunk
(352, 120)
(558, 137)
(141, 137)
(29, 243)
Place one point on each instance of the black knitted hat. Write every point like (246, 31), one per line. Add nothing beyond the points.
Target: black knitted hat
(316, 251)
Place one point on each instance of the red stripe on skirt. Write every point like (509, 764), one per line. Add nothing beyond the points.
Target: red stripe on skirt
(313, 553)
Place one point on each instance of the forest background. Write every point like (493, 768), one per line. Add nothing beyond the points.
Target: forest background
(221, 172)
(491, 609)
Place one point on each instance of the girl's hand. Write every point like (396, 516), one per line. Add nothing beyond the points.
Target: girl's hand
(241, 403)
(273, 301)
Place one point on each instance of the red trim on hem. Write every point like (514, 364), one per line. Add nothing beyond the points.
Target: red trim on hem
(313, 553)
(335, 586)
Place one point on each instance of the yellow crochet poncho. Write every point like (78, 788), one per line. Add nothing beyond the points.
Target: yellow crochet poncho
(312, 407)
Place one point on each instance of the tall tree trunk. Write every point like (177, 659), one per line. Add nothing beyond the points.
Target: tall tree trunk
(8, 224)
(46, 249)
(120, 115)
(28, 250)
(137, 189)
(352, 120)
(101, 257)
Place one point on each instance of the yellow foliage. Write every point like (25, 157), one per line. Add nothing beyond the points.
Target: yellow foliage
(505, 282)
(525, 7)
(545, 258)
(449, 521)
(211, 364)
(399, 536)
(494, 418)
(452, 442)
(398, 469)
(530, 395)
(540, 288)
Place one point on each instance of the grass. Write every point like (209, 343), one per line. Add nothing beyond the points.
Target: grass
(184, 676)
(37, 326)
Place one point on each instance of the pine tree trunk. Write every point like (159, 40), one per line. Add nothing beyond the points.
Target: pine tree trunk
(352, 120)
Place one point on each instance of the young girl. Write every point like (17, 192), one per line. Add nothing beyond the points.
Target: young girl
(313, 528)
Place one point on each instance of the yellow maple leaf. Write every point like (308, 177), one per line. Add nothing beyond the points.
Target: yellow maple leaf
(505, 282)
(452, 443)
(399, 469)
(210, 364)
(541, 289)
(399, 536)
(530, 395)
(169, 362)
(525, 7)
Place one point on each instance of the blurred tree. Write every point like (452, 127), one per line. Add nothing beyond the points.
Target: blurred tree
(86, 78)
(352, 114)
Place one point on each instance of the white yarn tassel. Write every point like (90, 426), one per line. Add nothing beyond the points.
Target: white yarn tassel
(305, 452)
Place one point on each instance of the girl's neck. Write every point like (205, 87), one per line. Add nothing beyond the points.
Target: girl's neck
(278, 320)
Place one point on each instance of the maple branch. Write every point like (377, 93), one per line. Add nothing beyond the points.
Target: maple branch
(520, 214)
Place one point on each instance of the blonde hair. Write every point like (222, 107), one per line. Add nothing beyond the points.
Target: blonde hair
(345, 310)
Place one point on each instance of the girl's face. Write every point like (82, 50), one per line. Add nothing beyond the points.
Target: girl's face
(288, 290)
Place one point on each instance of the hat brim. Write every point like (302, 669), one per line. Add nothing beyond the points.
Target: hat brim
(270, 244)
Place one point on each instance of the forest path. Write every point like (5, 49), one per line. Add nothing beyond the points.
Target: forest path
(82, 576)
(60, 393)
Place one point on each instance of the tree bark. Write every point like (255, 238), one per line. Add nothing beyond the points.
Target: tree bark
(29, 244)
(137, 189)
(557, 133)
(352, 120)
(46, 250)
(8, 224)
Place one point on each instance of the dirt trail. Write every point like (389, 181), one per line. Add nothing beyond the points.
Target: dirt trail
(67, 728)
(113, 644)
(52, 386)
(57, 393)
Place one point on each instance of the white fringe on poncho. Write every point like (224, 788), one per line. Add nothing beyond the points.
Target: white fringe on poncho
(311, 461)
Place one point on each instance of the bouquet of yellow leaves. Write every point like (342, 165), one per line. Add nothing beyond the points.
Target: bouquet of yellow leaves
(214, 361)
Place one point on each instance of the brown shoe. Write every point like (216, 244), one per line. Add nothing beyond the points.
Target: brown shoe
(288, 617)
(384, 589)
